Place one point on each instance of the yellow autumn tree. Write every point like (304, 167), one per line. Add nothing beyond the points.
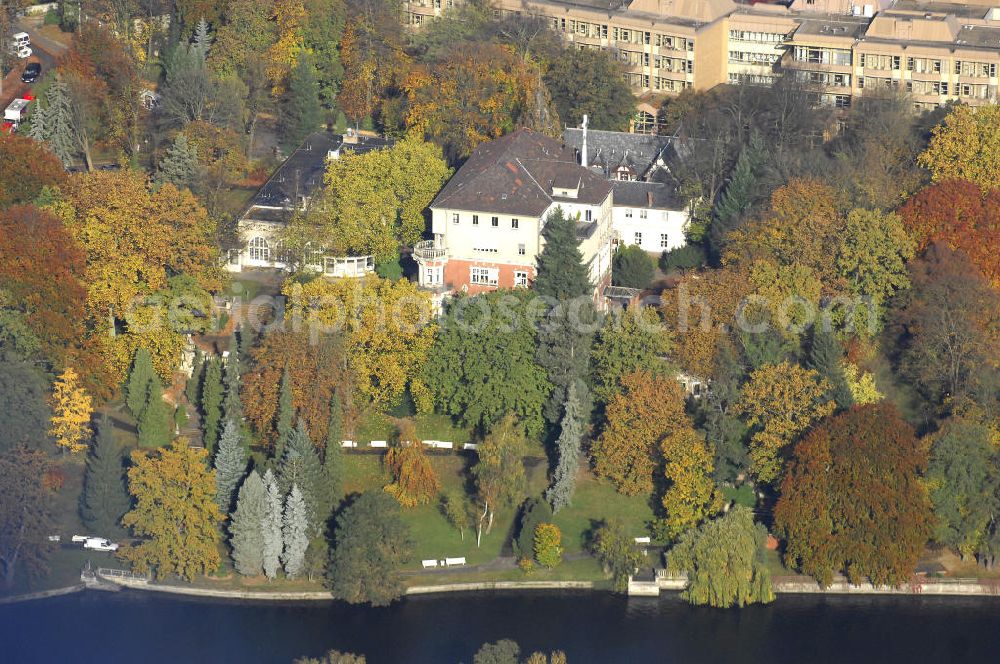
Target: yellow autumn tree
(72, 409)
(965, 146)
(386, 326)
(175, 512)
(862, 385)
(413, 479)
(288, 16)
(780, 401)
(691, 495)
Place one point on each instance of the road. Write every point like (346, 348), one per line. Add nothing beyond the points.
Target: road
(44, 51)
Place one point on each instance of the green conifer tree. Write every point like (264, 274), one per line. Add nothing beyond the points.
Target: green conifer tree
(737, 196)
(284, 419)
(247, 526)
(271, 529)
(211, 403)
(156, 426)
(179, 166)
(295, 525)
(137, 383)
(303, 112)
(233, 407)
(301, 466)
(569, 443)
(826, 357)
(105, 498)
(566, 335)
(230, 464)
(55, 123)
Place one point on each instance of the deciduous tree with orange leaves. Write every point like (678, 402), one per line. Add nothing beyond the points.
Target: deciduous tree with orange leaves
(649, 408)
(962, 215)
(26, 165)
(315, 370)
(413, 479)
(41, 278)
(853, 500)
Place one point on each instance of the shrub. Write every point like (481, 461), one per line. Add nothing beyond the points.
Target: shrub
(683, 258)
(548, 545)
(632, 267)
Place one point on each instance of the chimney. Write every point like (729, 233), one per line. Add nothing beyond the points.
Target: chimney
(583, 148)
(649, 199)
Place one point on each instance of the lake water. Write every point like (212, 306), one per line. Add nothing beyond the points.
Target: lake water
(140, 627)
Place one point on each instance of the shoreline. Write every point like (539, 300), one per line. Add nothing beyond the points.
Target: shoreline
(937, 588)
(954, 588)
(43, 594)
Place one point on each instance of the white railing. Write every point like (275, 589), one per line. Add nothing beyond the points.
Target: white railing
(429, 250)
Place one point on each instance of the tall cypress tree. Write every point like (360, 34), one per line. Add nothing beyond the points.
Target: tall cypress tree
(284, 419)
(233, 407)
(156, 426)
(303, 111)
(247, 526)
(230, 464)
(211, 402)
(301, 466)
(105, 499)
(566, 335)
(137, 383)
(570, 440)
(271, 529)
(192, 390)
(826, 357)
(295, 525)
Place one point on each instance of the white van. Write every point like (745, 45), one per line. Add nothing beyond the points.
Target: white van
(20, 40)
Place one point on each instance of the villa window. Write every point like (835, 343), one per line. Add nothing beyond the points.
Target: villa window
(664, 243)
(588, 215)
(521, 279)
(259, 251)
(454, 218)
(521, 250)
(514, 223)
(638, 239)
(628, 213)
(475, 220)
(483, 275)
(495, 222)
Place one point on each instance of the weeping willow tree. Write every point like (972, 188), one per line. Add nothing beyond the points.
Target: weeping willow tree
(723, 561)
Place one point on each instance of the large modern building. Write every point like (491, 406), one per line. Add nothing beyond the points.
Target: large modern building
(488, 219)
(289, 189)
(936, 51)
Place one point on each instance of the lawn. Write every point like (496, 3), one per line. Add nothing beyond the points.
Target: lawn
(436, 538)
(377, 426)
(595, 500)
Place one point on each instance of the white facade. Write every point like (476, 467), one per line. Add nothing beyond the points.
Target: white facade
(654, 230)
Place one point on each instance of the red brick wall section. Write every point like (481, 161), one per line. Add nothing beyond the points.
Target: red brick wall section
(456, 275)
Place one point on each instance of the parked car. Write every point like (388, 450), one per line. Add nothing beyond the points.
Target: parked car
(24, 53)
(79, 539)
(100, 544)
(31, 72)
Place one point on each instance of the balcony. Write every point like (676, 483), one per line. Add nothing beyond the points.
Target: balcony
(430, 250)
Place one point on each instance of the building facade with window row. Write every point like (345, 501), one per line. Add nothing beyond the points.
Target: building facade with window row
(936, 51)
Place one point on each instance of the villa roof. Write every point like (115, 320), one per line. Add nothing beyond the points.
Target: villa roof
(515, 174)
